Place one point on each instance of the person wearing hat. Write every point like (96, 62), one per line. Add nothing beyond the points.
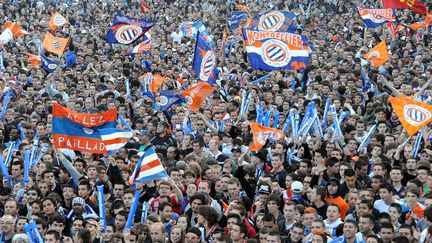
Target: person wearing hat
(264, 191)
(143, 144)
(258, 159)
(91, 223)
(162, 140)
(79, 209)
(193, 235)
(334, 197)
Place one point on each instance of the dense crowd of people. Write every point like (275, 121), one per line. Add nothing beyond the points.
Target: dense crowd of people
(297, 189)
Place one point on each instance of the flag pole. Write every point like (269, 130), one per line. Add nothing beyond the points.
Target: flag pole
(364, 35)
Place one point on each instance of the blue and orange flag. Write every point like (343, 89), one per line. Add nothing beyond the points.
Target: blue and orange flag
(80, 131)
(280, 21)
(196, 95)
(261, 134)
(54, 44)
(414, 5)
(145, 45)
(149, 168)
(413, 114)
(126, 30)
(374, 18)
(276, 50)
(205, 61)
(378, 55)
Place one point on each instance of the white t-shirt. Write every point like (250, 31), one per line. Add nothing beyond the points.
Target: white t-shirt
(382, 207)
(331, 227)
(177, 37)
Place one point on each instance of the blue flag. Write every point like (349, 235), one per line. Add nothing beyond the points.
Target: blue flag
(48, 64)
(167, 98)
(126, 30)
(205, 61)
(234, 21)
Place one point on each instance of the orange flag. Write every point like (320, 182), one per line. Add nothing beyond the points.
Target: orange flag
(57, 20)
(34, 60)
(156, 83)
(413, 114)
(261, 134)
(378, 55)
(196, 95)
(417, 25)
(55, 45)
(16, 29)
(243, 8)
(428, 19)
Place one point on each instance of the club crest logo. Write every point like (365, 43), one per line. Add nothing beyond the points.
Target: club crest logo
(416, 115)
(271, 21)
(88, 130)
(128, 34)
(207, 65)
(275, 53)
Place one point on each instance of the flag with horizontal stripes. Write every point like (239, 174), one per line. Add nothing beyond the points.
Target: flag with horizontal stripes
(115, 138)
(148, 168)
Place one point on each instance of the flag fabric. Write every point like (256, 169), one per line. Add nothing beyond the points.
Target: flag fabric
(413, 114)
(417, 25)
(428, 19)
(144, 46)
(280, 21)
(261, 133)
(48, 64)
(374, 18)
(196, 95)
(378, 55)
(243, 8)
(126, 30)
(190, 29)
(54, 44)
(144, 6)
(80, 131)
(237, 18)
(168, 98)
(115, 138)
(223, 44)
(205, 61)
(34, 60)
(276, 50)
(414, 5)
(57, 20)
(16, 29)
(149, 168)
(6, 36)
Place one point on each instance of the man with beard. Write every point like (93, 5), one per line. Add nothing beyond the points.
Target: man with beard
(79, 209)
(33, 195)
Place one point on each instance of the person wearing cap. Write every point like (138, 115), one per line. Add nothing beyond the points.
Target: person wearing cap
(143, 144)
(264, 191)
(162, 140)
(193, 235)
(258, 159)
(334, 197)
(91, 223)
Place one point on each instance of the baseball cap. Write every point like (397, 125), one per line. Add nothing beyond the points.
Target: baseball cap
(91, 219)
(297, 187)
(333, 181)
(78, 200)
(236, 149)
(195, 231)
(164, 123)
(264, 188)
(144, 133)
